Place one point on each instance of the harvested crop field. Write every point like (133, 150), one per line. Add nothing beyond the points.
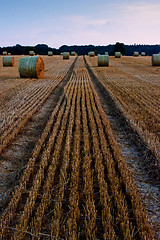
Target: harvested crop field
(79, 153)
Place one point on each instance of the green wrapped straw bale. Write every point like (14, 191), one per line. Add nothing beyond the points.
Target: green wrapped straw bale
(73, 53)
(103, 60)
(156, 60)
(91, 54)
(118, 54)
(4, 53)
(31, 53)
(136, 54)
(8, 61)
(50, 53)
(31, 67)
(66, 55)
(143, 54)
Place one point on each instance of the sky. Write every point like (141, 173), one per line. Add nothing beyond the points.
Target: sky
(79, 22)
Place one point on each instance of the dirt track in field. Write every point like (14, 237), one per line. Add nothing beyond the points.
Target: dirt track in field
(73, 180)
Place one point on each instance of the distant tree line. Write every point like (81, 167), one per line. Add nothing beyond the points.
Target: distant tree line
(112, 48)
(43, 49)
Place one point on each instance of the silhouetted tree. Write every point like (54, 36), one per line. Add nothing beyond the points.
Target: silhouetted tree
(28, 48)
(119, 47)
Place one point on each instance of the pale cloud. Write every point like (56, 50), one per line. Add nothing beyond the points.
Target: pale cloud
(81, 21)
(129, 22)
(141, 13)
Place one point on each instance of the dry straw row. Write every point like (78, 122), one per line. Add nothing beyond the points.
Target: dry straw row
(9, 214)
(74, 212)
(121, 207)
(63, 181)
(48, 185)
(29, 94)
(45, 158)
(145, 229)
(16, 124)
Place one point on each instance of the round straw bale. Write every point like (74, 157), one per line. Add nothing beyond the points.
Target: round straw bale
(50, 53)
(117, 54)
(73, 53)
(31, 53)
(143, 54)
(91, 54)
(66, 55)
(136, 54)
(103, 60)
(156, 60)
(9, 54)
(4, 53)
(106, 53)
(8, 61)
(31, 67)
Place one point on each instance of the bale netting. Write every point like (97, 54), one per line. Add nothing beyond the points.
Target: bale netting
(91, 54)
(31, 53)
(73, 53)
(4, 53)
(156, 60)
(66, 55)
(136, 54)
(31, 67)
(50, 53)
(103, 60)
(118, 54)
(143, 54)
(8, 61)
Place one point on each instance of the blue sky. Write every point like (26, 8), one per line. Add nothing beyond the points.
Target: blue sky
(81, 22)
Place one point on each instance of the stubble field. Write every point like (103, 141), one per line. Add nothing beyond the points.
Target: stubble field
(79, 154)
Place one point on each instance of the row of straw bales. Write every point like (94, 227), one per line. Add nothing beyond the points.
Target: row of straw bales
(66, 55)
(117, 54)
(5, 53)
(50, 53)
(29, 67)
(136, 54)
(33, 66)
(31, 53)
(103, 60)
